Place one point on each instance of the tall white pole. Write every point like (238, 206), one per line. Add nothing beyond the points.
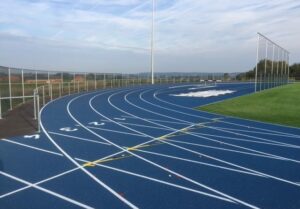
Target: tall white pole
(257, 50)
(152, 43)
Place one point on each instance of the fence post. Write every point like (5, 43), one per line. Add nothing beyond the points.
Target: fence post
(38, 112)
(0, 107)
(9, 86)
(34, 104)
(23, 87)
(59, 89)
(51, 93)
(43, 95)
(69, 85)
(95, 81)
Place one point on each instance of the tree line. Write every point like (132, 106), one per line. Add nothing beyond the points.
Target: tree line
(250, 75)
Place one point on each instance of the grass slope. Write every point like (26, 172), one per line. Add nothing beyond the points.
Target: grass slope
(279, 105)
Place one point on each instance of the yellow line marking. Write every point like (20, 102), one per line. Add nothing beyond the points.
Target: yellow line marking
(137, 147)
(93, 163)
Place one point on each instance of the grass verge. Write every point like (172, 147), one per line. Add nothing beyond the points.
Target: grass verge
(278, 105)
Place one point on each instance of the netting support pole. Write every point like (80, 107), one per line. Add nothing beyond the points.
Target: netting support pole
(257, 50)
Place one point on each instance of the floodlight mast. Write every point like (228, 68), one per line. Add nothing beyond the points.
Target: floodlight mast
(152, 43)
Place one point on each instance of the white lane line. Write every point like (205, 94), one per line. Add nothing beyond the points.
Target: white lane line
(200, 163)
(196, 112)
(263, 129)
(252, 137)
(223, 149)
(46, 190)
(32, 147)
(210, 157)
(79, 138)
(229, 144)
(72, 170)
(138, 125)
(80, 166)
(159, 106)
(40, 182)
(166, 169)
(240, 139)
(159, 181)
(164, 121)
(198, 136)
(259, 132)
(114, 131)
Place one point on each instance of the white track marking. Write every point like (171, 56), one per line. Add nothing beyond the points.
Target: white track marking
(77, 168)
(164, 121)
(68, 129)
(159, 181)
(114, 131)
(35, 136)
(96, 124)
(200, 163)
(240, 139)
(229, 144)
(40, 182)
(166, 169)
(259, 132)
(157, 98)
(79, 138)
(138, 125)
(46, 191)
(252, 137)
(198, 136)
(219, 148)
(192, 151)
(159, 106)
(32, 147)
(81, 167)
(121, 119)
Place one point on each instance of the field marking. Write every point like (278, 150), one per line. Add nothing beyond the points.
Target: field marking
(188, 133)
(87, 163)
(241, 139)
(79, 138)
(198, 162)
(125, 201)
(114, 131)
(164, 101)
(164, 121)
(253, 137)
(224, 149)
(199, 111)
(168, 170)
(46, 190)
(138, 125)
(241, 147)
(192, 151)
(32, 147)
(158, 181)
(141, 97)
(258, 132)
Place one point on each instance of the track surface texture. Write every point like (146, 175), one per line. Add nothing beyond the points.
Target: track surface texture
(142, 147)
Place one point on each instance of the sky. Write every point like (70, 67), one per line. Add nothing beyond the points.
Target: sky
(114, 35)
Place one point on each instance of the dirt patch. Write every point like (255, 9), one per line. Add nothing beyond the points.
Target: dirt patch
(18, 121)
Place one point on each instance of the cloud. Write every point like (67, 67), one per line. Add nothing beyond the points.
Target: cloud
(195, 33)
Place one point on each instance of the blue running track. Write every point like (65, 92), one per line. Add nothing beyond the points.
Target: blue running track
(143, 147)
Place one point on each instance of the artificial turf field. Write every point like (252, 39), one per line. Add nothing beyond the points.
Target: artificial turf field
(278, 105)
(141, 147)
